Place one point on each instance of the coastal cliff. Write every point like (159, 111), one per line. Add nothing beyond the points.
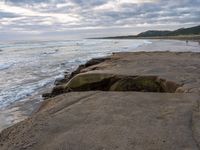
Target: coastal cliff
(143, 100)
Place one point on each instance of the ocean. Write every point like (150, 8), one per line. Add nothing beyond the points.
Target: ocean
(28, 69)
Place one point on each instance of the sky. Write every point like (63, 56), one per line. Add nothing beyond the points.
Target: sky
(74, 19)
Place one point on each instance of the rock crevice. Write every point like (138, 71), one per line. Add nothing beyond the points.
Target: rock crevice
(111, 82)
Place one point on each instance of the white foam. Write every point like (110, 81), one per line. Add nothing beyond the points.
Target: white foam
(34, 65)
(20, 92)
(6, 66)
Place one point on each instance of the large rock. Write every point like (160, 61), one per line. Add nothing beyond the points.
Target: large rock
(143, 84)
(119, 120)
(110, 121)
(112, 82)
(90, 81)
(174, 72)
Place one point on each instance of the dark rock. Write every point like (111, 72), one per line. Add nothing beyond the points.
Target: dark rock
(61, 81)
(113, 82)
(46, 95)
(91, 62)
(142, 84)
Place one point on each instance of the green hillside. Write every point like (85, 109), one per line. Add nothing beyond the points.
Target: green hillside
(183, 31)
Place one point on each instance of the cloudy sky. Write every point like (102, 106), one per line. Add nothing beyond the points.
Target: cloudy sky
(71, 19)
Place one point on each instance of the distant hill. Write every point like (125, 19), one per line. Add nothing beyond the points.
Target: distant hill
(182, 33)
(186, 31)
(151, 33)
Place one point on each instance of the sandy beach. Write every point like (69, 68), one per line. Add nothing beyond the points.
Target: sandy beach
(129, 100)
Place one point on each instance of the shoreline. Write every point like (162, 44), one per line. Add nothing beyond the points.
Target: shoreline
(57, 89)
(167, 45)
(105, 87)
(43, 72)
(195, 38)
(58, 85)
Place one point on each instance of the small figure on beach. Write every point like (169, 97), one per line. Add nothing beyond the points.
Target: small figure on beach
(186, 42)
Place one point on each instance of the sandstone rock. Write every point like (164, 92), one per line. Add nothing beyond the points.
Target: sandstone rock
(110, 120)
(101, 120)
(143, 84)
(91, 62)
(90, 81)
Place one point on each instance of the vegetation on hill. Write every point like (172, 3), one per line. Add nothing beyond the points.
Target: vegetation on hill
(182, 33)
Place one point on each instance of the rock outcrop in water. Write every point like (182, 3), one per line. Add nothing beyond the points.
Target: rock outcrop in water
(127, 101)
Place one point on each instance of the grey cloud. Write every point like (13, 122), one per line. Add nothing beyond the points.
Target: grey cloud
(7, 15)
(89, 2)
(179, 12)
(27, 1)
